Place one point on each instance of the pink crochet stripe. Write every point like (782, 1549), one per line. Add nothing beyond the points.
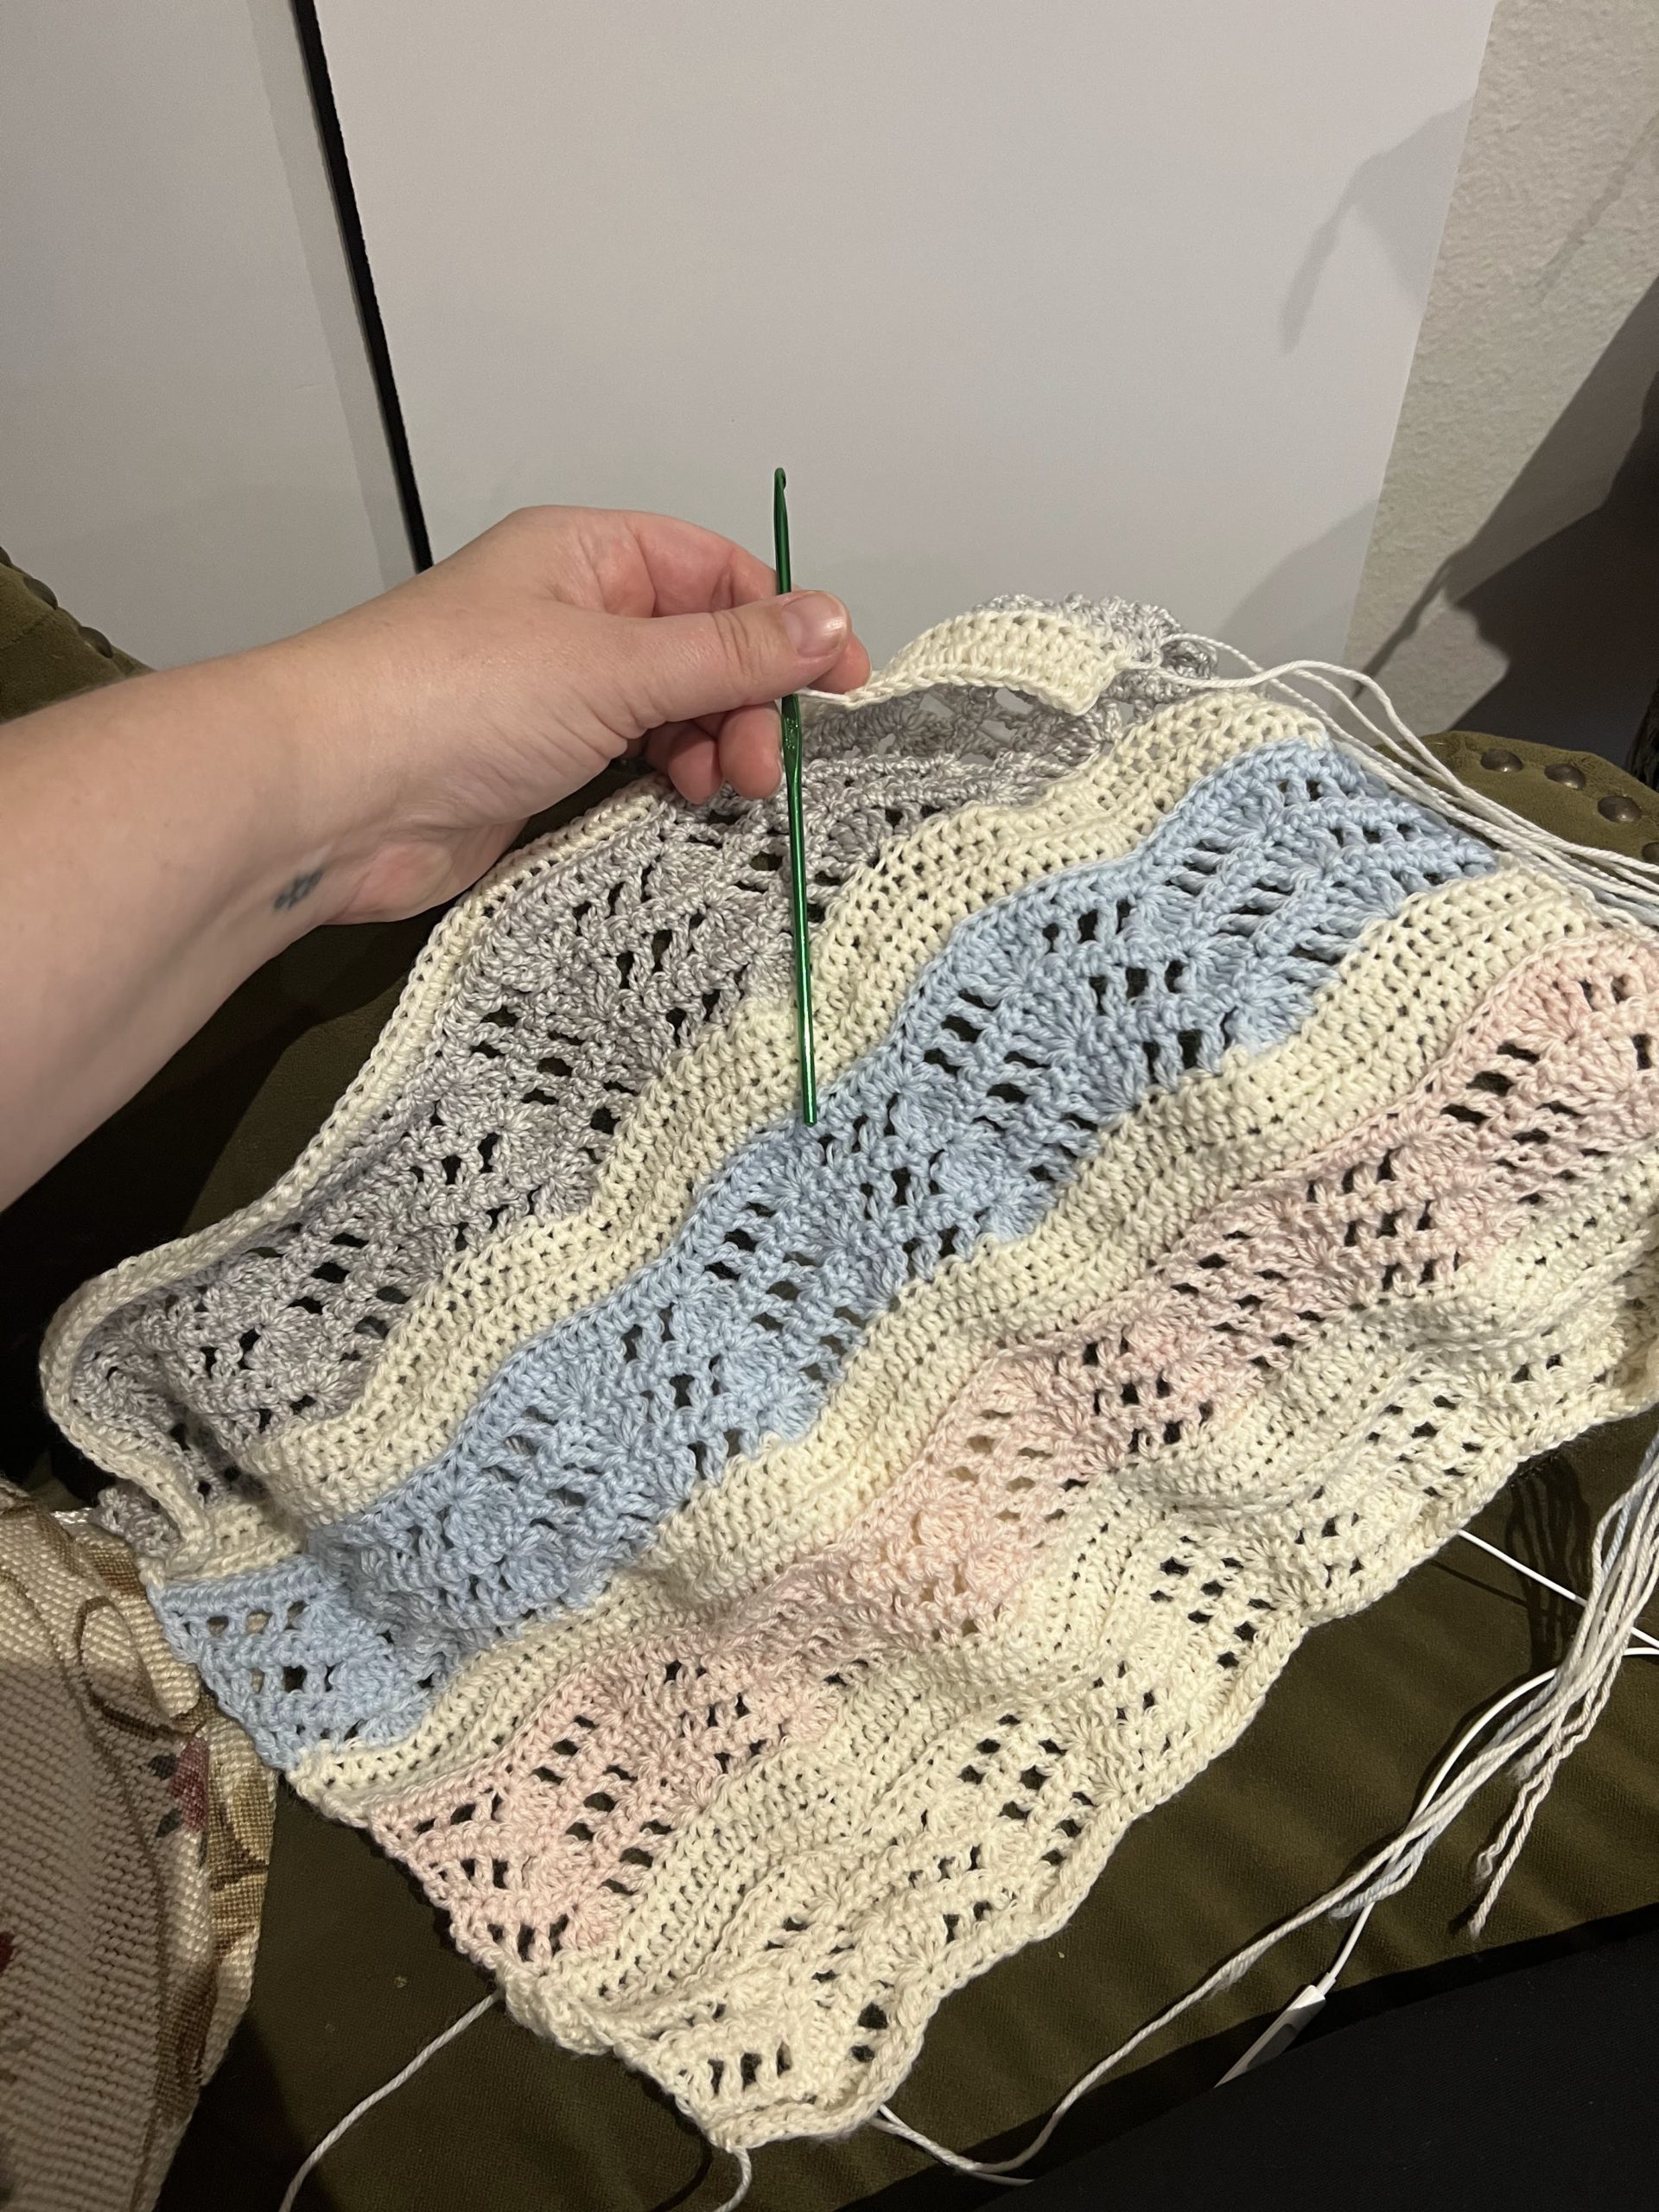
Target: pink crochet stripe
(1554, 1072)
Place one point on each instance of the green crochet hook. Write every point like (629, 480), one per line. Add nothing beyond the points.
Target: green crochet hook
(790, 711)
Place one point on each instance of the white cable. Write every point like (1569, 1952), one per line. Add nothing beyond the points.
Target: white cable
(316, 2157)
(1476, 1727)
(1308, 2002)
(1649, 1643)
(1623, 1565)
(1624, 1572)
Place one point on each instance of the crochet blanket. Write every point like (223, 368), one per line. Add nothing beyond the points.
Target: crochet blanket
(754, 1574)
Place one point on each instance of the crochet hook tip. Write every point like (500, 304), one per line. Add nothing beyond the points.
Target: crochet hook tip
(789, 711)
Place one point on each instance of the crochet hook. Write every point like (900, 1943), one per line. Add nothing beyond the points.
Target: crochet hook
(790, 712)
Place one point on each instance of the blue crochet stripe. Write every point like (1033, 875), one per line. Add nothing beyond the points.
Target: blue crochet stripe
(1047, 1017)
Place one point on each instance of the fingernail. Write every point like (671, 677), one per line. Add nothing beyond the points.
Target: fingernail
(817, 625)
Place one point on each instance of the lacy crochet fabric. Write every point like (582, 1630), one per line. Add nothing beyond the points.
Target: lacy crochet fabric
(754, 1574)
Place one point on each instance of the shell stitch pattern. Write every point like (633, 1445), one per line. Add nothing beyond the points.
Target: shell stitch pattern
(888, 922)
(703, 1102)
(1368, 1039)
(1530, 1100)
(1048, 1016)
(658, 928)
(754, 1576)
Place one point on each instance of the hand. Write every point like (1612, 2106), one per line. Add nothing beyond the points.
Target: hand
(161, 837)
(506, 677)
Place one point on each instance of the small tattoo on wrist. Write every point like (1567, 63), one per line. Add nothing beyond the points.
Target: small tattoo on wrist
(302, 887)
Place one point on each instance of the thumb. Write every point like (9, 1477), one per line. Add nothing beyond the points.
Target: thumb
(679, 666)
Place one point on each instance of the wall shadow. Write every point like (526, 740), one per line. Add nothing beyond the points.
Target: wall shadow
(1563, 577)
(1401, 195)
(1301, 608)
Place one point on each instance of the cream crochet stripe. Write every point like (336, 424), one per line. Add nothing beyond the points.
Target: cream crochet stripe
(1056, 655)
(885, 926)
(1050, 1018)
(1391, 1012)
(777, 1972)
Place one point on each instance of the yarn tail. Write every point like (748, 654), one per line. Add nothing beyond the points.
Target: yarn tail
(1537, 1739)
(1396, 755)
(1624, 1572)
(1549, 1717)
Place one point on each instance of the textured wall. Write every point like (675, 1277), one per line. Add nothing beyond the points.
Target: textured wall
(1513, 575)
(190, 452)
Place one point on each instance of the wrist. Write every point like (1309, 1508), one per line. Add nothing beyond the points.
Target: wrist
(283, 782)
(157, 844)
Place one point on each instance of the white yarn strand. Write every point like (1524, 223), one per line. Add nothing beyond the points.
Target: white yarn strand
(315, 2157)
(1310, 2001)
(1557, 1710)
(745, 2176)
(1624, 1571)
(745, 2165)
(1399, 758)
(1649, 1643)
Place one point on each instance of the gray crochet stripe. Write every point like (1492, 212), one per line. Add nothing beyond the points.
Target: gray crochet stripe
(589, 976)
(1047, 1017)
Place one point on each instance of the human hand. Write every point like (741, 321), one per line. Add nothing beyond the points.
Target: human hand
(162, 837)
(503, 679)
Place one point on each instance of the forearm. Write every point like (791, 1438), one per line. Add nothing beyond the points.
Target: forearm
(159, 839)
(157, 843)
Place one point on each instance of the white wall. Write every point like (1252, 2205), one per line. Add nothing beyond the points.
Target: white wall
(1497, 550)
(1071, 296)
(190, 452)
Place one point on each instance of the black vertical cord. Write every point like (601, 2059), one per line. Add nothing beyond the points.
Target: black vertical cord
(357, 260)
